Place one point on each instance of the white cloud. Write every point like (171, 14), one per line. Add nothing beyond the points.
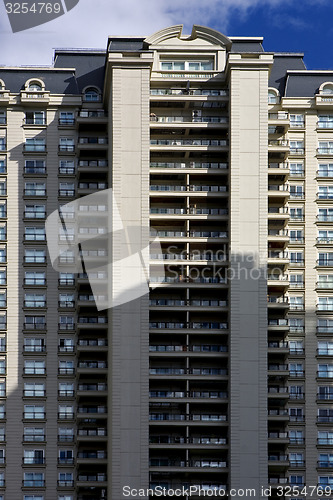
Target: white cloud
(91, 21)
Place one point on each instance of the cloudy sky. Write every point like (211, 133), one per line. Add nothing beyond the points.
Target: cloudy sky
(287, 25)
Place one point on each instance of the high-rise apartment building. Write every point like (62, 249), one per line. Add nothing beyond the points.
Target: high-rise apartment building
(221, 377)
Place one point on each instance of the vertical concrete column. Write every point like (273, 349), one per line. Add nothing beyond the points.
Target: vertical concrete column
(128, 418)
(248, 287)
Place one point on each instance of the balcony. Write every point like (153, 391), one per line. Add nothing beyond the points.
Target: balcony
(278, 191)
(280, 370)
(211, 395)
(33, 97)
(324, 218)
(34, 148)
(96, 143)
(185, 144)
(278, 460)
(276, 302)
(66, 148)
(277, 257)
(167, 463)
(281, 118)
(180, 417)
(278, 437)
(324, 151)
(216, 93)
(162, 189)
(278, 146)
(197, 165)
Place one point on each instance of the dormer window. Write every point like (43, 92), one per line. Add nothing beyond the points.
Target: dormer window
(326, 89)
(203, 65)
(92, 94)
(35, 87)
(273, 96)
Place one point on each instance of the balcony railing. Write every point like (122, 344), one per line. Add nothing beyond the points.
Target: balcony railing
(197, 92)
(191, 164)
(324, 151)
(189, 142)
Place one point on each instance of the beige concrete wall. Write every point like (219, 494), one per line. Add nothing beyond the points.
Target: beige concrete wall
(248, 303)
(128, 335)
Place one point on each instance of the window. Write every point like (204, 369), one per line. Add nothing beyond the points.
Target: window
(325, 437)
(67, 167)
(325, 480)
(66, 457)
(296, 459)
(66, 189)
(325, 393)
(325, 192)
(296, 480)
(2, 388)
(325, 121)
(2, 344)
(34, 322)
(35, 118)
(35, 212)
(296, 414)
(33, 479)
(91, 94)
(325, 415)
(66, 144)
(33, 497)
(325, 348)
(296, 302)
(297, 120)
(326, 88)
(296, 369)
(66, 345)
(66, 299)
(3, 275)
(296, 169)
(34, 412)
(325, 236)
(296, 191)
(3, 188)
(34, 344)
(63, 497)
(296, 437)
(66, 367)
(33, 255)
(34, 233)
(34, 167)
(3, 298)
(34, 300)
(66, 412)
(32, 367)
(296, 147)
(2, 144)
(66, 389)
(325, 259)
(35, 86)
(2, 366)
(65, 434)
(2, 434)
(325, 170)
(33, 457)
(273, 97)
(66, 279)
(34, 434)
(34, 278)
(66, 118)
(66, 322)
(296, 346)
(3, 117)
(325, 214)
(296, 213)
(2, 411)
(296, 257)
(34, 390)
(325, 304)
(325, 325)
(3, 167)
(325, 371)
(35, 144)
(35, 189)
(325, 147)
(65, 479)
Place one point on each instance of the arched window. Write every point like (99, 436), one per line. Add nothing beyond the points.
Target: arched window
(273, 96)
(326, 88)
(35, 86)
(2, 85)
(92, 94)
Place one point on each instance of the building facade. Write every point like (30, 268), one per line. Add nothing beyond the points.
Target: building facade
(222, 376)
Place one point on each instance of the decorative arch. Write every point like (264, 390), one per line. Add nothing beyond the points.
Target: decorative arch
(2, 85)
(91, 93)
(212, 36)
(34, 84)
(273, 95)
(326, 88)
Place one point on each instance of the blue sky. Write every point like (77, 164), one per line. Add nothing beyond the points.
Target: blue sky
(287, 25)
